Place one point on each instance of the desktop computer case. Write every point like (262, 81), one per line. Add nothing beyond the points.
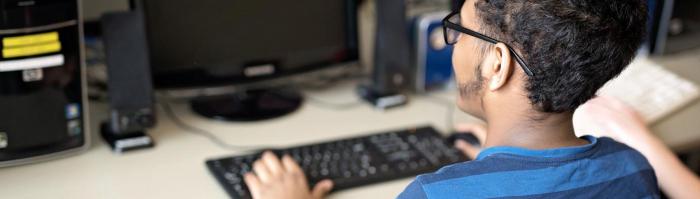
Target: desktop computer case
(433, 57)
(29, 78)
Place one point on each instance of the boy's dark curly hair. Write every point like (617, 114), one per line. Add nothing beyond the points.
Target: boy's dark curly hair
(573, 46)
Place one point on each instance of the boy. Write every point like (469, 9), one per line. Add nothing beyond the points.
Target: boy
(523, 67)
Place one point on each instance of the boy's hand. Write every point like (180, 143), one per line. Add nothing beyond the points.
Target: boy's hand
(274, 179)
(470, 150)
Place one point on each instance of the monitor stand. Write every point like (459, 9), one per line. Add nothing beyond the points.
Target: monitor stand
(250, 105)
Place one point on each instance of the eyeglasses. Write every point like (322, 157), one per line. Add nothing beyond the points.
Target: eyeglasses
(452, 29)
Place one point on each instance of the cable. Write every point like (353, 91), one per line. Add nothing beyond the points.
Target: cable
(449, 105)
(242, 148)
(206, 134)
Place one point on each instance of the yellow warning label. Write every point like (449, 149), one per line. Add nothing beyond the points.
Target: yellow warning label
(29, 39)
(31, 50)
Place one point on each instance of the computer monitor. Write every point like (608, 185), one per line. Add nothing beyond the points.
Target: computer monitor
(221, 43)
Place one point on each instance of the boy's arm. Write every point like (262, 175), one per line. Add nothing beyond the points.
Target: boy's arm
(611, 118)
(675, 179)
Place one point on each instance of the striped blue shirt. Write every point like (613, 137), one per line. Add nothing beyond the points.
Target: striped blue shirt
(602, 169)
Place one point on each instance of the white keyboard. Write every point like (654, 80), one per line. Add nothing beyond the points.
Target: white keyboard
(650, 89)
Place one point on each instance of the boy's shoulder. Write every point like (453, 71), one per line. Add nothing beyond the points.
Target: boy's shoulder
(417, 188)
(504, 172)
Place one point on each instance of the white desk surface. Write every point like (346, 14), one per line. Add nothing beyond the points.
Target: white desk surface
(175, 167)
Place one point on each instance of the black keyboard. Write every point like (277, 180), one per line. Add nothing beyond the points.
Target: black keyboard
(351, 162)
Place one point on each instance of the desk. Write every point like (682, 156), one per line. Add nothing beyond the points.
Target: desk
(681, 130)
(175, 167)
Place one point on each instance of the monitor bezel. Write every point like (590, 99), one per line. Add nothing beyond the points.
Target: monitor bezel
(186, 82)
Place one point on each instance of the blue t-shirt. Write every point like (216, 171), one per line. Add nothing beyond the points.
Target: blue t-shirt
(602, 169)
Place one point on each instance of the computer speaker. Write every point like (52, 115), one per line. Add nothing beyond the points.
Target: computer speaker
(129, 81)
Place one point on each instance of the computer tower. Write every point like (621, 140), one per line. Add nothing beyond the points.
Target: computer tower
(42, 81)
(432, 56)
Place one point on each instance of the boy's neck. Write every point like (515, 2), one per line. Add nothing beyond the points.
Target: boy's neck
(550, 131)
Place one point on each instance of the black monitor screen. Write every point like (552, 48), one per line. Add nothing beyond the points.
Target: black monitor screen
(221, 42)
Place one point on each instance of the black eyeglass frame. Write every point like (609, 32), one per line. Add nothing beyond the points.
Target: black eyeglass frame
(446, 23)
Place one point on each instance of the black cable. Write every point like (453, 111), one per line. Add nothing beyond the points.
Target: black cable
(206, 134)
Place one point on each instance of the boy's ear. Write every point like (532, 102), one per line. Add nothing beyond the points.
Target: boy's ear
(501, 69)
